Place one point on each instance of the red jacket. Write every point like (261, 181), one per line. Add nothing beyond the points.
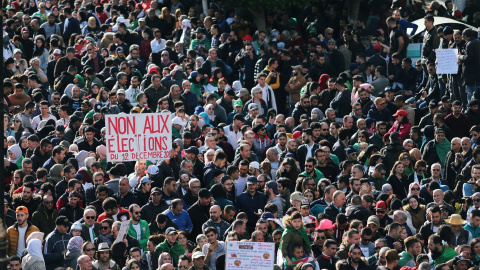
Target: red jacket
(404, 130)
(122, 215)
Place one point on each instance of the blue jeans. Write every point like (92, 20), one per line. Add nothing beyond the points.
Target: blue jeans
(470, 89)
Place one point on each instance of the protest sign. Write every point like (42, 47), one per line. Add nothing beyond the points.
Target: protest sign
(140, 136)
(249, 255)
(123, 230)
(447, 61)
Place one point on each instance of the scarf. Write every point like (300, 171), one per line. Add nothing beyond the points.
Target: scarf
(301, 231)
(106, 238)
(75, 243)
(17, 151)
(442, 149)
(35, 248)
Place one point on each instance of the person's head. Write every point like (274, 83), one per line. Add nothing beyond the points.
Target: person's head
(435, 244)
(436, 170)
(84, 262)
(15, 263)
(428, 22)
(435, 216)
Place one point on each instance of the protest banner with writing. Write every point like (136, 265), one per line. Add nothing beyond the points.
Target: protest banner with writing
(447, 61)
(131, 137)
(249, 255)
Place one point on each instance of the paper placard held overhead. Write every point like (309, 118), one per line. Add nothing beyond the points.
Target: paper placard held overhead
(447, 61)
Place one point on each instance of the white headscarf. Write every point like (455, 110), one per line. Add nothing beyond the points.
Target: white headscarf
(210, 116)
(80, 157)
(17, 151)
(35, 248)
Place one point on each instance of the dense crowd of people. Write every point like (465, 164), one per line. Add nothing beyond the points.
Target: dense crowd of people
(313, 130)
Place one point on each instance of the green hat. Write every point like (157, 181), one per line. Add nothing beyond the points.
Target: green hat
(238, 103)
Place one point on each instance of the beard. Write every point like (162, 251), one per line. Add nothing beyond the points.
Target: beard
(356, 260)
(435, 254)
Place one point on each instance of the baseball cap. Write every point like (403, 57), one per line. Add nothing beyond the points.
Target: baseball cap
(296, 196)
(373, 220)
(267, 216)
(377, 47)
(63, 220)
(25, 30)
(255, 165)
(204, 193)
(57, 52)
(380, 205)
(296, 134)
(192, 150)
(304, 203)
(238, 103)
(351, 150)
(247, 37)
(170, 230)
(156, 190)
(121, 91)
(141, 20)
(22, 209)
(74, 118)
(60, 129)
(197, 254)
(400, 112)
(153, 169)
(252, 106)
(145, 179)
(439, 130)
(433, 104)
(243, 92)
(178, 121)
(274, 186)
(325, 224)
(251, 180)
(200, 30)
(119, 49)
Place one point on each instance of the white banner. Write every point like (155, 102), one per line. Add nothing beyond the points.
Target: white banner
(447, 61)
(139, 136)
(249, 255)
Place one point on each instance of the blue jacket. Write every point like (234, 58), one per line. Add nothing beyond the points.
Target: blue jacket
(377, 115)
(474, 231)
(55, 244)
(183, 220)
(404, 25)
(248, 204)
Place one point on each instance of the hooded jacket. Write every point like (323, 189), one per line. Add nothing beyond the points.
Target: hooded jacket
(150, 211)
(390, 154)
(55, 244)
(298, 111)
(44, 219)
(13, 235)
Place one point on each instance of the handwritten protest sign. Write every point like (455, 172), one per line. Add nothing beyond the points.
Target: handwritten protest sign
(139, 136)
(123, 230)
(447, 61)
(249, 255)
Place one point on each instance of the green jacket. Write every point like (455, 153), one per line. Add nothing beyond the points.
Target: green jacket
(144, 236)
(175, 252)
(205, 42)
(448, 253)
(318, 175)
(404, 259)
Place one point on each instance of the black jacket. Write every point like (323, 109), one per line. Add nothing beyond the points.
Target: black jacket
(302, 154)
(199, 215)
(377, 141)
(430, 153)
(62, 81)
(431, 41)
(325, 263)
(347, 265)
(38, 159)
(207, 67)
(390, 154)
(72, 213)
(149, 211)
(44, 219)
(86, 232)
(298, 111)
(471, 62)
(331, 211)
(126, 201)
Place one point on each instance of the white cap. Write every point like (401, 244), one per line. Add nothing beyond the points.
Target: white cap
(255, 165)
(153, 169)
(178, 121)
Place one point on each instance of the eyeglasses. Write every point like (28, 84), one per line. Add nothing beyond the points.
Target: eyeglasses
(380, 211)
(321, 237)
(377, 248)
(55, 98)
(435, 170)
(308, 166)
(76, 230)
(105, 228)
(90, 217)
(476, 200)
(18, 121)
(357, 110)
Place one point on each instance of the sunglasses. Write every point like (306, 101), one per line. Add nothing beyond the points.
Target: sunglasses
(476, 200)
(415, 189)
(321, 237)
(380, 211)
(89, 249)
(137, 212)
(76, 230)
(105, 228)
(182, 266)
(90, 217)
(377, 248)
